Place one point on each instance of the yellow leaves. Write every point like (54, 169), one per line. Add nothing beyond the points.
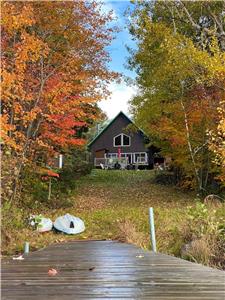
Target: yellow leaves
(16, 17)
(8, 80)
(183, 56)
(7, 131)
(31, 49)
(5, 126)
(183, 59)
(20, 50)
(31, 115)
(217, 141)
(8, 77)
(44, 145)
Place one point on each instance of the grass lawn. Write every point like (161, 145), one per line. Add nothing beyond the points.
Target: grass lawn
(114, 205)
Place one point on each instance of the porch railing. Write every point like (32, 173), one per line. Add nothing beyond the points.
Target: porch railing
(110, 162)
(123, 161)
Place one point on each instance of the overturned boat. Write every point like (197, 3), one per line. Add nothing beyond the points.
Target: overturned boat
(69, 224)
(44, 225)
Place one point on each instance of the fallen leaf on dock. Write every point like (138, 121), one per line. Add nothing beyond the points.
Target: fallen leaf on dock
(139, 256)
(52, 272)
(18, 258)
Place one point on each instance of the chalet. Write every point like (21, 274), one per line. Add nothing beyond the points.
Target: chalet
(118, 143)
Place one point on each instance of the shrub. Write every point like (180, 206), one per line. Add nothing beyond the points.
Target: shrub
(12, 220)
(199, 251)
(165, 178)
(35, 189)
(203, 220)
(130, 234)
(8, 174)
(205, 235)
(75, 166)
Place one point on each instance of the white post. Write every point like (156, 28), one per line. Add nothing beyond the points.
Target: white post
(60, 161)
(152, 229)
(26, 248)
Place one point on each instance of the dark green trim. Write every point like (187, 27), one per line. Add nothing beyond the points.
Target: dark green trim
(107, 126)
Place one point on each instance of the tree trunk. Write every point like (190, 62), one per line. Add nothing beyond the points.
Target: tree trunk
(49, 188)
(190, 148)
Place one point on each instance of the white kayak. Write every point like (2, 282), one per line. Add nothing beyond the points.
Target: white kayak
(44, 225)
(69, 224)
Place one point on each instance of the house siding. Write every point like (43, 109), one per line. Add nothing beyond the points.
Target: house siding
(105, 140)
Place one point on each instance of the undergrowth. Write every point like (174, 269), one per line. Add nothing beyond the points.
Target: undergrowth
(114, 205)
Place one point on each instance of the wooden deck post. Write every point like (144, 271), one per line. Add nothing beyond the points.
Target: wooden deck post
(26, 248)
(152, 229)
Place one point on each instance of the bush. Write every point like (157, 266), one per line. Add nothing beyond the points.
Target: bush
(13, 220)
(165, 178)
(75, 166)
(35, 190)
(130, 234)
(203, 220)
(9, 170)
(205, 235)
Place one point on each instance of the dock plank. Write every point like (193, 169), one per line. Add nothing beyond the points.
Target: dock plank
(108, 270)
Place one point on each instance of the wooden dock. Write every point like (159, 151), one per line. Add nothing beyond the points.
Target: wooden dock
(107, 270)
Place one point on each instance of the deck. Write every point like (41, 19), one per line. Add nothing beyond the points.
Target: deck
(107, 270)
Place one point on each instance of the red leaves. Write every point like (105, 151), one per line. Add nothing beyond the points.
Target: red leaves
(52, 174)
(47, 174)
(52, 77)
(60, 130)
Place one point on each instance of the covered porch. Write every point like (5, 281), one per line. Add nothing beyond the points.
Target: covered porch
(124, 159)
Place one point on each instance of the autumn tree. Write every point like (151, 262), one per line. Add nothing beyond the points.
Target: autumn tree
(54, 67)
(179, 83)
(199, 20)
(217, 141)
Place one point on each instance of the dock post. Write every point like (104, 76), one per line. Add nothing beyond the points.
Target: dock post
(26, 248)
(152, 229)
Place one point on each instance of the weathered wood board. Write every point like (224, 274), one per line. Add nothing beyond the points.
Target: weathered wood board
(108, 270)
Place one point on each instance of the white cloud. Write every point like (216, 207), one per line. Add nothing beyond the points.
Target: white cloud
(118, 101)
(107, 7)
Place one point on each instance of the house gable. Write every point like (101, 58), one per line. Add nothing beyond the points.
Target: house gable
(106, 138)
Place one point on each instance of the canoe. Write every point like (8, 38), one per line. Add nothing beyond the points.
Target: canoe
(69, 224)
(44, 225)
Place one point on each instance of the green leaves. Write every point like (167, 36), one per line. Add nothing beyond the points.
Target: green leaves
(178, 79)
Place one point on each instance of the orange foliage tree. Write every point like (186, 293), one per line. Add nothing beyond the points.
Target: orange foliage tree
(54, 66)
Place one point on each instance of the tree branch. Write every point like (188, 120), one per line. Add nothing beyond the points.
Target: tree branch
(194, 24)
(197, 149)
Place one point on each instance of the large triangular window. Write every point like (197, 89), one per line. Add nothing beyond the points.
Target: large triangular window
(121, 140)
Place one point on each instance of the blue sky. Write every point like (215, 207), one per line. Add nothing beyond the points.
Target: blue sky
(121, 93)
(118, 49)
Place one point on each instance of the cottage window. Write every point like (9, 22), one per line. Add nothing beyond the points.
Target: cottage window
(121, 140)
(117, 140)
(126, 140)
